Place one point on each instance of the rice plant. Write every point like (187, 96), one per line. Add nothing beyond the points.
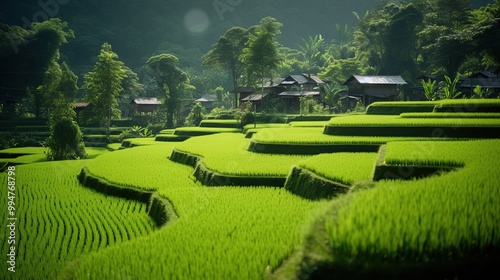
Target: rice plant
(227, 154)
(221, 233)
(345, 168)
(58, 219)
(451, 218)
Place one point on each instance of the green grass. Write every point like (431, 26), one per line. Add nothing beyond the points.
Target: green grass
(199, 131)
(314, 136)
(448, 105)
(382, 120)
(232, 158)
(38, 154)
(58, 220)
(167, 131)
(221, 233)
(345, 168)
(24, 150)
(221, 123)
(143, 141)
(458, 115)
(445, 219)
(308, 123)
(398, 107)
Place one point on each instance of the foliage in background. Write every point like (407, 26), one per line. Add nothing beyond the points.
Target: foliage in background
(244, 114)
(196, 115)
(331, 96)
(103, 86)
(136, 132)
(261, 55)
(480, 92)
(226, 53)
(309, 105)
(430, 89)
(174, 82)
(450, 90)
(311, 52)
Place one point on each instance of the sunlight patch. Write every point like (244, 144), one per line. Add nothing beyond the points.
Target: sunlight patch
(196, 21)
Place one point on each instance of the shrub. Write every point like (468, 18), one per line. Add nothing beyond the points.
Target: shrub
(196, 115)
(66, 141)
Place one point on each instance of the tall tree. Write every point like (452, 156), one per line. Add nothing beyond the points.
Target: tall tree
(311, 52)
(341, 45)
(132, 88)
(104, 84)
(261, 53)
(226, 52)
(59, 92)
(173, 80)
(485, 27)
(443, 42)
(368, 38)
(400, 42)
(25, 57)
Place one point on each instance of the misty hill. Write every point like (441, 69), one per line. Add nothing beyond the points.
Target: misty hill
(139, 29)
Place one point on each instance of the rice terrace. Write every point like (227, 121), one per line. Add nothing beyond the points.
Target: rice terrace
(249, 140)
(391, 206)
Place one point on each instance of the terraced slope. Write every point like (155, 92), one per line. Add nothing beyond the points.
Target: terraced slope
(58, 220)
(221, 233)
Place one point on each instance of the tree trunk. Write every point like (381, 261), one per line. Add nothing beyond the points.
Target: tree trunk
(262, 91)
(108, 124)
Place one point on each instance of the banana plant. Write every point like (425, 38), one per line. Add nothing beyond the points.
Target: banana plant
(450, 88)
(429, 89)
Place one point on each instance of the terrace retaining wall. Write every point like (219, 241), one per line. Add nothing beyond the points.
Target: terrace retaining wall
(309, 185)
(159, 209)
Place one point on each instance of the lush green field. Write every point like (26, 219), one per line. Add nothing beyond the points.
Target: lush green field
(314, 136)
(227, 154)
(439, 226)
(197, 131)
(459, 115)
(445, 105)
(221, 233)
(58, 220)
(388, 228)
(382, 120)
(37, 154)
(345, 168)
(428, 209)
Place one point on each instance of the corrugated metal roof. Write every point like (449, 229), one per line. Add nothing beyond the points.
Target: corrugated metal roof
(81, 104)
(207, 98)
(298, 93)
(299, 78)
(315, 78)
(253, 97)
(147, 101)
(378, 80)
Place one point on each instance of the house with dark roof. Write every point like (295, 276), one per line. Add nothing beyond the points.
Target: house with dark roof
(296, 86)
(241, 93)
(484, 79)
(374, 88)
(144, 106)
(288, 89)
(208, 101)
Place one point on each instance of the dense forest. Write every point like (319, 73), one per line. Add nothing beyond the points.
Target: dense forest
(334, 39)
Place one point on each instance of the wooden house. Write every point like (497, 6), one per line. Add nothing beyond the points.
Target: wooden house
(296, 86)
(374, 88)
(241, 93)
(208, 101)
(144, 106)
(485, 79)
